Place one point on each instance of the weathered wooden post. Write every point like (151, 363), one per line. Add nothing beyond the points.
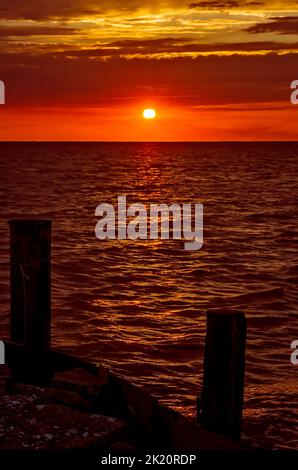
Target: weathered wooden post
(224, 363)
(30, 282)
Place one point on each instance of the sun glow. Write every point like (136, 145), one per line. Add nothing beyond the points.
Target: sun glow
(149, 113)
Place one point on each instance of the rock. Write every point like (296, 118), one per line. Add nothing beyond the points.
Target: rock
(54, 427)
(47, 395)
(73, 431)
(5, 374)
(92, 387)
(77, 379)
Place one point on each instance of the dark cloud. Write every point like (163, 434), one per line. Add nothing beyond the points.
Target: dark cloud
(163, 47)
(144, 43)
(42, 9)
(277, 25)
(50, 9)
(72, 9)
(10, 31)
(174, 46)
(213, 4)
(59, 80)
(223, 4)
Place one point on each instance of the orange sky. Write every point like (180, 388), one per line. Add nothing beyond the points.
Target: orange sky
(85, 70)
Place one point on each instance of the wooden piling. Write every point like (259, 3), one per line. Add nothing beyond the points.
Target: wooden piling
(224, 363)
(30, 282)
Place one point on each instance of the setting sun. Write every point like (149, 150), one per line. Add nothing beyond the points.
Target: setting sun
(149, 113)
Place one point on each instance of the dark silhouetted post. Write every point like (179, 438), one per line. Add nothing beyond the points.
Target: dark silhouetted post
(224, 364)
(30, 282)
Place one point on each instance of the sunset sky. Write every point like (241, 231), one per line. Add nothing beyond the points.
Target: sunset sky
(86, 69)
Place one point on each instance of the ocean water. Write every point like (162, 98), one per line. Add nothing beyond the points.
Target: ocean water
(140, 306)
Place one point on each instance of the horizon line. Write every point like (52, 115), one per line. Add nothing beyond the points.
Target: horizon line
(145, 141)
